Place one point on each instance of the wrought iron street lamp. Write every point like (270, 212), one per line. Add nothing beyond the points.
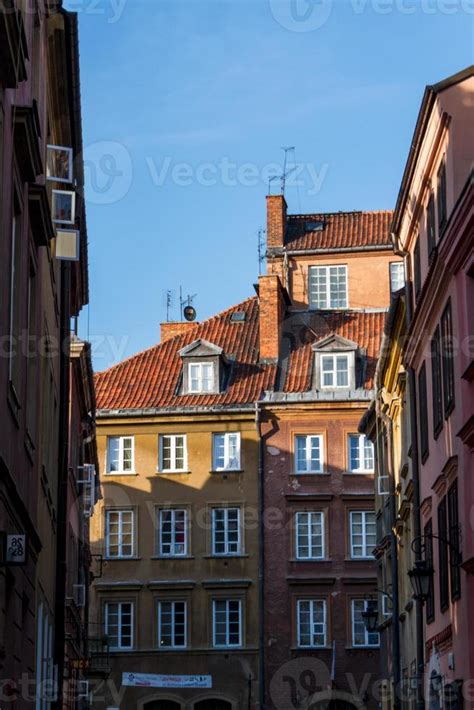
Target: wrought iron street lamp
(421, 577)
(370, 616)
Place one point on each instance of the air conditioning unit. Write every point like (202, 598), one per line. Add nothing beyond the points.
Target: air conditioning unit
(83, 689)
(79, 595)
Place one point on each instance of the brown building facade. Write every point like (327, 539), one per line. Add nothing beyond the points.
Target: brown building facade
(319, 571)
(40, 293)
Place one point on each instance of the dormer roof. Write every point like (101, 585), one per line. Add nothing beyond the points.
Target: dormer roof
(335, 342)
(201, 348)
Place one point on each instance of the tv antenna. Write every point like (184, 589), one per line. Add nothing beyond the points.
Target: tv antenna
(169, 298)
(186, 305)
(261, 249)
(286, 172)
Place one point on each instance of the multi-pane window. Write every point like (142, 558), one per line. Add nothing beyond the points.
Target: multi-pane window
(363, 533)
(120, 454)
(361, 454)
(397, 276)
(173, 452)
(327, 287)
(436, 381)
(308, 453)
(311, 623)
(119, 625)
(226, 531)
(173, 532)
(454, 542)
(172, 624)
(119, 533)
(334, 371)
(443, 571)
(423, 413)
(417, 268)
(227, 623)
(309, 535)
(442, 209)
(201, 377)
(226, 451)
(360, 635)
(447, 357)
(430, 226)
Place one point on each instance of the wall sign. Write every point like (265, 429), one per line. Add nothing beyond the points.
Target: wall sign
(152, 680)
(15, 552)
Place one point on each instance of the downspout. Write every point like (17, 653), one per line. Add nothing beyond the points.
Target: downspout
(394, 569)
(261, 560)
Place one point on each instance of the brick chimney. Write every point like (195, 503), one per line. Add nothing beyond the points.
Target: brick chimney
(276, 220)
(272, 298)
(170, 330)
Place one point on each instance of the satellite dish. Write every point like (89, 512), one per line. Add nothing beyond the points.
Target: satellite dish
(189, 313)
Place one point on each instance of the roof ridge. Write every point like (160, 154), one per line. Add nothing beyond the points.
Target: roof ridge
(340, 212)
(178, 335)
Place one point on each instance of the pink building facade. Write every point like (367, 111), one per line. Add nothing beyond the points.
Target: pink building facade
(433, 229)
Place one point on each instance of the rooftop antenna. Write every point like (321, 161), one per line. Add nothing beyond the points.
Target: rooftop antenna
(261, 249)
(169, 302)
(285, 172)
(186, 305)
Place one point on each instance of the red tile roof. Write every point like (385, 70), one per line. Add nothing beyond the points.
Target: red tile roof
(341, 230)
(151, 379)
(365, 329)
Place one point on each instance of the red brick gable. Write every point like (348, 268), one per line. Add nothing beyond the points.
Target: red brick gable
(342, 230)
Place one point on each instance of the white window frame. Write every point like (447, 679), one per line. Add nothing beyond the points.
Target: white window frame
(227, 621)
(120, 515)
(200, 389)
(307, 515)
(173, 442)
(228, 552)
(326, 270)
(364, 545)
(312, 609)
(308, 460)
(227, 458)
(120, 470)
(368, 643)
(349, 356)
(173, 543)
(173, 603)
(396, 266)
(120, 604)
(362, 440)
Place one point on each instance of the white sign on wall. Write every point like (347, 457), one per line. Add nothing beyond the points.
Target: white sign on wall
(152, 680)
(16, 550)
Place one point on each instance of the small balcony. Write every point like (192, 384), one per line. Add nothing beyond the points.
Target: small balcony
(99, 662)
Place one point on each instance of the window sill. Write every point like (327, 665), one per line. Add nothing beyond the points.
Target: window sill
(226, 557)
(309, 559)
(359, 473)
(311, 648)
(172, 557)
(220, 471)
(120, 473)
(363, 648)
(121, 559)
(185, 472)
(309, 473)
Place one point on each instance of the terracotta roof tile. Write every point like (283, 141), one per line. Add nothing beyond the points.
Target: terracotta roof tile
(341, 230)
(151, 378)
(363, 328)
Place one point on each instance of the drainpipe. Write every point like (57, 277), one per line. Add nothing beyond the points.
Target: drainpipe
(394, 569)
(261, 560)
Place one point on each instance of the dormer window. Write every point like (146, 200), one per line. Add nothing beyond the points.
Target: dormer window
(335, 360)
(334, 371)
(204, 368)
(201, 377)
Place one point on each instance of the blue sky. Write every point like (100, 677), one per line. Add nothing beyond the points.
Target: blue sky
(186, 106)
